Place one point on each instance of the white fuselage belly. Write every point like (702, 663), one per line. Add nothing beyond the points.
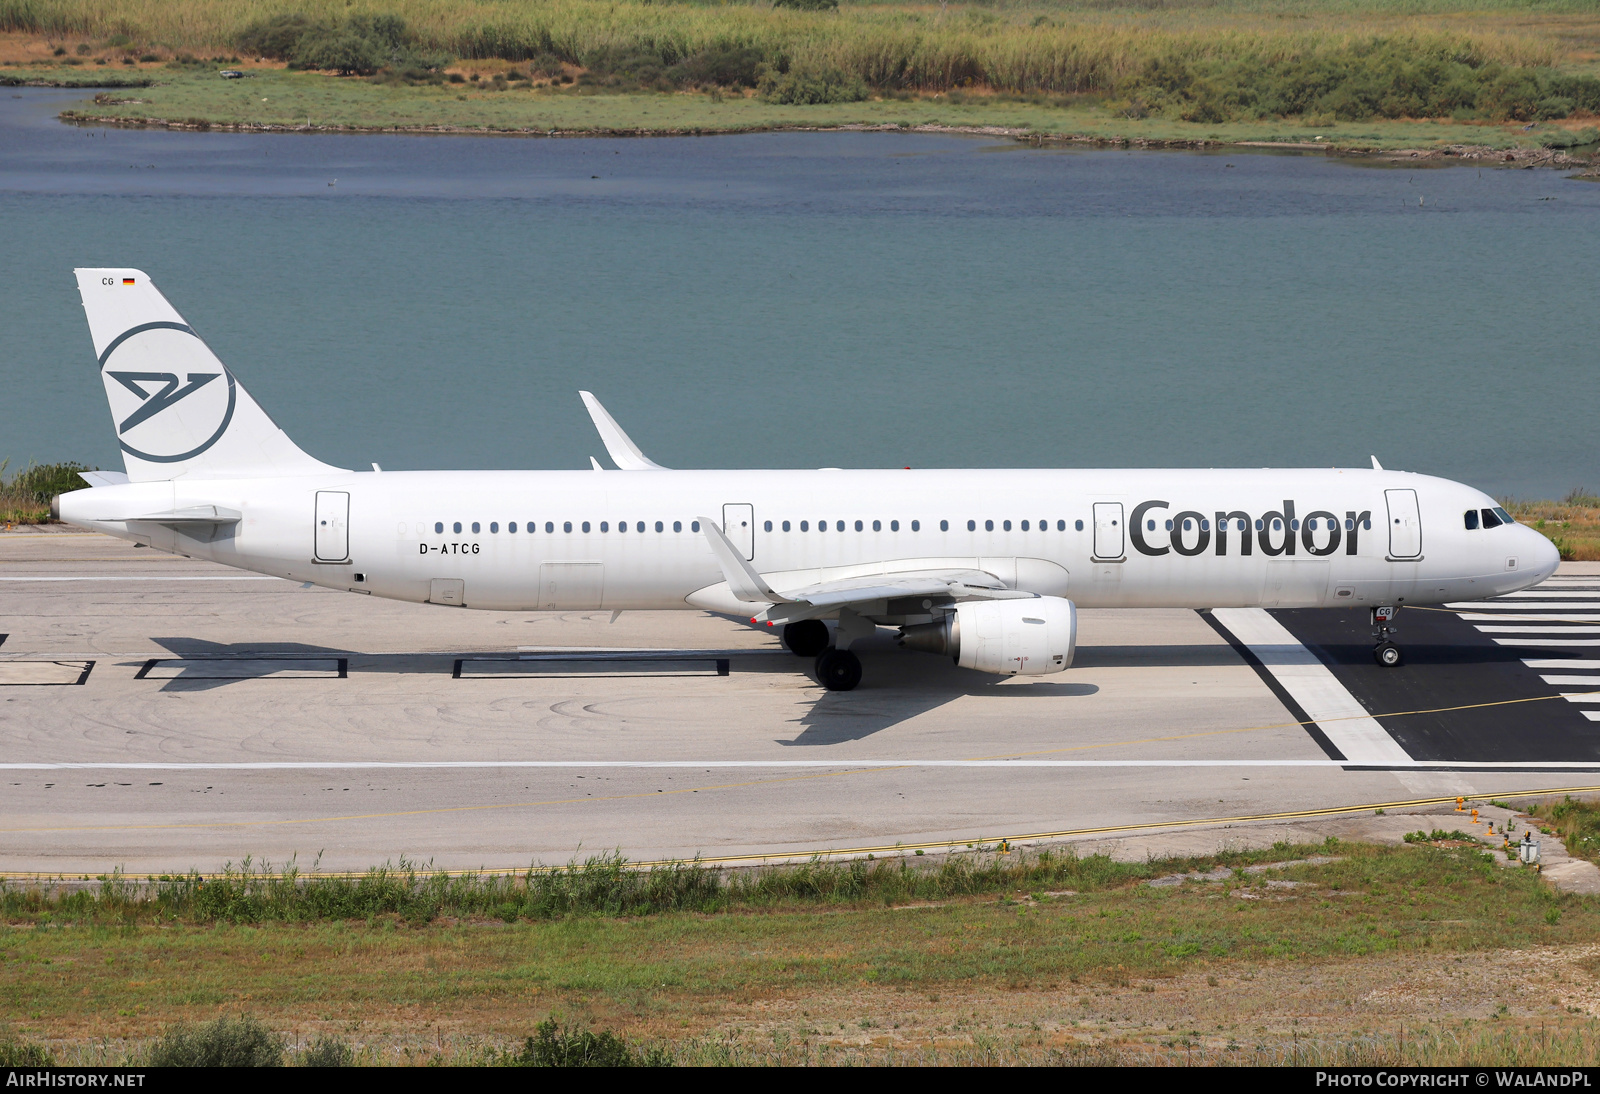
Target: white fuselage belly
(395, 547)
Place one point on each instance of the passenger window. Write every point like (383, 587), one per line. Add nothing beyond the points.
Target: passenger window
(1205, 525)
(1471, 519)
(566, 526)
(694, 526)
(1187, 524)
(1169, 526)
(494, 526)
(858, 526)
(438, 528)
(822, 526)
(785, 526)
(677, 526)
(1005, 525)
(457, 527)
(1366, 525)
(1277, 525)
(1258, 525)
(622, 526)
(512, 527)
(1349, 525)
(603, 527)
(944, 526)
(1490, 520)
(894, 526)
(1150, 526)
(660, 527)
(639, 527)
(1077, 525)
(549, 526)
(585, 526)
(805, 526)
(767, 526)
(839, 526)
(916, 525)
(1295, 524)
(972, 526)
(877, 526)
(1025, 526)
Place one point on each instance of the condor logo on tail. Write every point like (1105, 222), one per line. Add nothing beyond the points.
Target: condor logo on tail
(164, 402)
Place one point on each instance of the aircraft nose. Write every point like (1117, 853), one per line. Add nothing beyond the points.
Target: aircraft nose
(1543, 555)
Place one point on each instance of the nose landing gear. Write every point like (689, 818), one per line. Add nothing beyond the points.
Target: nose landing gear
(1386, 653)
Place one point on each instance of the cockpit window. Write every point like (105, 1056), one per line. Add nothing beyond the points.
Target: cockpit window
(1505, 517)
(1491, 519)
(1472, 519)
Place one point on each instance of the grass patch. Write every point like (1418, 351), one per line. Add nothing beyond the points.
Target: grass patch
(602, 886)
(1204, 64)
(1577, 823)
(25, 496)
(775, 979)
(1572, 524)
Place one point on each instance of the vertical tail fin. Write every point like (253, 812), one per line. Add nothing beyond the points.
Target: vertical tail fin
(178, 411)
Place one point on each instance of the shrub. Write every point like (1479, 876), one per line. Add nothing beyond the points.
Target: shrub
(358, 45)
(807, 5)
(328, 1051)
(226, 1042)
(806, 89)
(25, 1054)
(722, 68)
(564, 1046)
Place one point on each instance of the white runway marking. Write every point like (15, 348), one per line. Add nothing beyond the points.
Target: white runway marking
(1579, 629)
(1308, 681)
(1544, 642)
(813, 765)
(149, 577)
(1542, 605)
(1508, 617)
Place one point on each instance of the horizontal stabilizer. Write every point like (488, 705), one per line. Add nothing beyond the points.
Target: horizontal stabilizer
(624, 453)
(194, 514)
(104, 478)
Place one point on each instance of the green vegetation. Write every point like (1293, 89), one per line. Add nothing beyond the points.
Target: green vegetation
(1438, 835)
(604, 885)
(25, 1054)
(25, 497)
(564, 1046)
(226, 1042)
(1572, 524)
(1210, 64)
(1577, 823)
(773, 977)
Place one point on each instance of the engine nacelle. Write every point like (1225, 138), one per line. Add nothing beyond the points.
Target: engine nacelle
(1032, 637)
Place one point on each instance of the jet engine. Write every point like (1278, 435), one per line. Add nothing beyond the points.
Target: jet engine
(1032, 637)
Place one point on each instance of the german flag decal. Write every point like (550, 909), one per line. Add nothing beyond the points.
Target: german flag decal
(127, 281)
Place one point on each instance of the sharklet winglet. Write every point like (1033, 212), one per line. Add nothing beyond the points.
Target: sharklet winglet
(624, 453)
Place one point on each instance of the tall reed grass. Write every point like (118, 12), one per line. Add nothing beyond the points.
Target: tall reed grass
(903, 48)
(602, 885)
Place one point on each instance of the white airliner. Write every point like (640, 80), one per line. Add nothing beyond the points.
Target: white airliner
(985, 566)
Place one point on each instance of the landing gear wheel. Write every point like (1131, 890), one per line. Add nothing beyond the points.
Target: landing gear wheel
(806, 638)
(1387, 654)
(838, 670)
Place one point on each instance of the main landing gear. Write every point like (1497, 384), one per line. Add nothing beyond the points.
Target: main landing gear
(838, 670)
(1386, 653)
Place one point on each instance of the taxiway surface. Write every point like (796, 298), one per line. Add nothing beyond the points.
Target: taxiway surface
(160, 714)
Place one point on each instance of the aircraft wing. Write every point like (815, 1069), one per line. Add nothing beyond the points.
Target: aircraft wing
(808, 602)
